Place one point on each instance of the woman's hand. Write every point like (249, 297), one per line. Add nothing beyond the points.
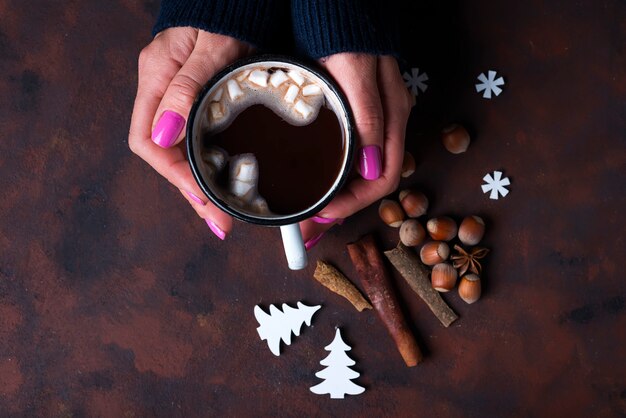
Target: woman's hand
(381, 105)
(172, 70)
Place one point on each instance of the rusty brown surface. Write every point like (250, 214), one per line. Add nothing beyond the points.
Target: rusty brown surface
(115, 299)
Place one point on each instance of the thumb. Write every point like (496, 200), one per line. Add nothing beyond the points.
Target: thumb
(211, 53)
(172, 113)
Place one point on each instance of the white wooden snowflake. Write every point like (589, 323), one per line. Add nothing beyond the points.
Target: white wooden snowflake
(415, 81)
(490, 84)
(495, 185)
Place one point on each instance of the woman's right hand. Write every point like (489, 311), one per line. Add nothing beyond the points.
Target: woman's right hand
(172, 70)
(381, 106)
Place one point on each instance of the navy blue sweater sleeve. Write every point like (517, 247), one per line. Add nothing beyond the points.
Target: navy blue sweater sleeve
(325, 27)
(252, 21)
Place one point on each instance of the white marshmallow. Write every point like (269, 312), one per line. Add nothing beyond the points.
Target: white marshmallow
(311, 90)
(217, 111)
(242, 75)
(240, 188)
(278, 78)
(234, 91)
(217, 96)
(215, 158)
(303, 108)
(259, 77)
(296, 76)
(244, 175)
(259, 205)
(292, 93)
(247, 171)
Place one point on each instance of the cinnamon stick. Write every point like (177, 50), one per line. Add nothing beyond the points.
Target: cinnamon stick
(414, 272)
(375, 280)
(334, 280)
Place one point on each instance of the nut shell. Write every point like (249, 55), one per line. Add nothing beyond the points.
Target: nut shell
(414, 203)
(469, 288)
(412, 233)
(434, 252)
(443, 277)
(391, 213)
(455, 138)
(408, 165)
(471, 230)
(442, 228)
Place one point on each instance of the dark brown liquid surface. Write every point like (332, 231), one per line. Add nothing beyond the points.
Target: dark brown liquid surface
(297, 164)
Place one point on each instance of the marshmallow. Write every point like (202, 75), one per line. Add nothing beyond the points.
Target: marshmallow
(259, 206)
(303, 108)
(311, 90)
(240, 188)
(217, 96)
(234, 90)
(215, 160)
(216, 110)
(259, 77)
(292, 93)
(278, 78)
(296, 76)
(242, 75)
(244, 176)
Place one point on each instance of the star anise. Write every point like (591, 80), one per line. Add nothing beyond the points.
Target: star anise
(465, 261)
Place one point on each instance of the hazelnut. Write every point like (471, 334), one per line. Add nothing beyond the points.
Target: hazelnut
(391, 213)
(469, 288)
(434, 252)
(412, 233)
(455, 138)
(442, 228)
(414, 203)
(471, 230)
(443, 277)
(408, 165)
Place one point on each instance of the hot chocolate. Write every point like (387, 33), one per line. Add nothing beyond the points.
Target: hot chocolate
(270, 145)
(297, 164)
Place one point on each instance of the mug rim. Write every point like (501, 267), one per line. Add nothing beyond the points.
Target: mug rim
(286, 219)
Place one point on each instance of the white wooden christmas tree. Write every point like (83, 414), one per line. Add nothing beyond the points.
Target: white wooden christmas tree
(279, 325)
(337, 375)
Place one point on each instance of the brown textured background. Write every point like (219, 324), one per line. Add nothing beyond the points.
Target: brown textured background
(115, 299)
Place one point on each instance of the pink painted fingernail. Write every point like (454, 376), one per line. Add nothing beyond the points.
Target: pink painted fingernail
(370, 162)
(320, 220)
(216, 229)
(313, 241)
(167, 129)
(195, 198)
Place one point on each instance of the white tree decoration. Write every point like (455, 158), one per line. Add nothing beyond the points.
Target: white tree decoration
(337, 375)
(279, 325)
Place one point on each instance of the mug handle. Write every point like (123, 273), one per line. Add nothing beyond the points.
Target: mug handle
(294, 246)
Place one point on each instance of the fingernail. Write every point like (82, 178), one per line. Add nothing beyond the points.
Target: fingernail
(313, 241)
(216, 229)
(370, 162)
(167, 129)
(195, 198)
(320, 220)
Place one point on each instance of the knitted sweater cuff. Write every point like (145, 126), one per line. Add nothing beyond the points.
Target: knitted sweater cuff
(325, 27)
(251, 21)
